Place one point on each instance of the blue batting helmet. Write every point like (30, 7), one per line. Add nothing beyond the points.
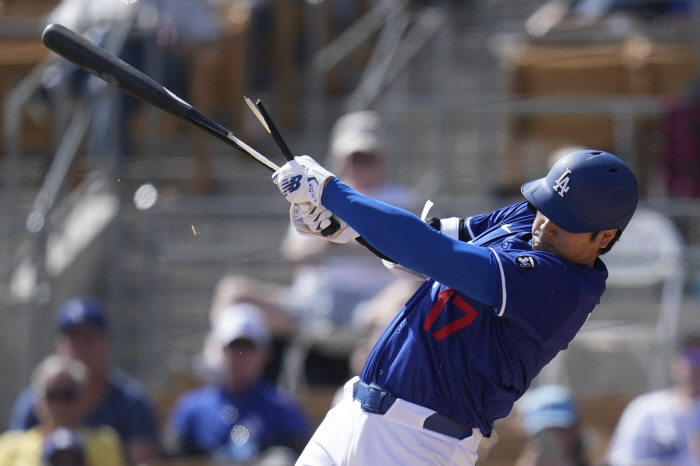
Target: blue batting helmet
(586, 191)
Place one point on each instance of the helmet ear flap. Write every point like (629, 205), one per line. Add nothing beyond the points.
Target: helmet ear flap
(586, 191)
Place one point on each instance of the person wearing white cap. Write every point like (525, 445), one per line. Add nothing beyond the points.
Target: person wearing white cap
(241, 414)
(332, 282)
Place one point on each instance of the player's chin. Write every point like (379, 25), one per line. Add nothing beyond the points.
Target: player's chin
(542, 246)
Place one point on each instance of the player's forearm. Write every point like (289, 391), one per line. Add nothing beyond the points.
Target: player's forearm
(411, 242)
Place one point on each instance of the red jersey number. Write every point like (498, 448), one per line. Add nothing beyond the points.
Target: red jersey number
(454, 326)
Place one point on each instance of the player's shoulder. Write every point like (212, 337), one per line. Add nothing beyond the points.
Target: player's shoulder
(519, 255)
(512, 212)
(509, 220)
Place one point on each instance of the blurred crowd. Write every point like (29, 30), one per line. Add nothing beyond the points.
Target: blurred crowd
(79, 409)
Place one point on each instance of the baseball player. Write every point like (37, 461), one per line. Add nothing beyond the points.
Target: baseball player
(506, 291)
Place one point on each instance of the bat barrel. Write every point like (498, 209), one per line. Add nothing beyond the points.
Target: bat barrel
(111, 69)
(125, 77)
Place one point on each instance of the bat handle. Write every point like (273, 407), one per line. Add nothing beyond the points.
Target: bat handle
(332, 228)
(335, 223)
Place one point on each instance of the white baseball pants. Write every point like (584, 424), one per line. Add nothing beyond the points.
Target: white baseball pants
(349, 436)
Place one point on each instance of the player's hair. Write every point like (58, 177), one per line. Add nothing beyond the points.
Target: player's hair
(55, 365)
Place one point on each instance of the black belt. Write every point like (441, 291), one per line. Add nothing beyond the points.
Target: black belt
(374, 399)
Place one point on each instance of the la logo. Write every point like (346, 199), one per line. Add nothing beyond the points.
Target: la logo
(562, 185)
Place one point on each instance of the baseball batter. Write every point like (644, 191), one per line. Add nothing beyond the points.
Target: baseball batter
(506, 291)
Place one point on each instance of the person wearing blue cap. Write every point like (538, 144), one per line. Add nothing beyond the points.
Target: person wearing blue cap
(112, 397)
(552, 423)
(60, 438)
(504, 292)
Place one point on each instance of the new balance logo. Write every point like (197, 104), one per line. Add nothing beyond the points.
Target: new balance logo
(291, 184)
(562, 185)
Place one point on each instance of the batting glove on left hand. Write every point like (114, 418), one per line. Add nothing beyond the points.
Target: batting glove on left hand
(302, 180)
(310, 220)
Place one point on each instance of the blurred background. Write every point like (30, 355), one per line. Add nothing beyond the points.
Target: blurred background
(104, 196)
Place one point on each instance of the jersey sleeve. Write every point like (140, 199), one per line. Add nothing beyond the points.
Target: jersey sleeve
(474, 226)
(412, 243)
(539, 290)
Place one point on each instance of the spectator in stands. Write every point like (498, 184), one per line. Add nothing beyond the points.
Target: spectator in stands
(678, 171)
(552, 423)
(655, 426)
(177, 42)
(330, 283)
(111, 397)
(60, 385)
(241, 416)
(344, 276)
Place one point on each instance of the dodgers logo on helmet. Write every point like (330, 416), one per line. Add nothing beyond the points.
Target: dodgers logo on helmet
(586, 191)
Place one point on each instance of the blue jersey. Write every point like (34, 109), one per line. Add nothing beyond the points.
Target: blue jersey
(467, 351)
(206, 420)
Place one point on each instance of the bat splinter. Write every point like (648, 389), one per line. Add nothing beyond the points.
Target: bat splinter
(97, 61)
(261, 114)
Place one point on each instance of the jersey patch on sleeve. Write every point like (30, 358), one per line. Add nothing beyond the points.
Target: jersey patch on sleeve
(526, 262)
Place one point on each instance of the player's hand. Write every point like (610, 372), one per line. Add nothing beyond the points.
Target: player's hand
(302, 180)
(311, 220)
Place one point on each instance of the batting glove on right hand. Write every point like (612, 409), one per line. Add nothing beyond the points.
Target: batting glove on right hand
(311, 220)
(302, 180)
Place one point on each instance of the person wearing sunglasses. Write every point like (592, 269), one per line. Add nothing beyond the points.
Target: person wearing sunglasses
(59, 383)
(112, 397)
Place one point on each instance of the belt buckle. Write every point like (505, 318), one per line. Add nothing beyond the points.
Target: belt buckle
(372, 398)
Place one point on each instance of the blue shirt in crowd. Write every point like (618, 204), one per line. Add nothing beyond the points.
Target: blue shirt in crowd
(210, 420)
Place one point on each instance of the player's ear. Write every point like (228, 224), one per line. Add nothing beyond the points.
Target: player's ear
(604, 238)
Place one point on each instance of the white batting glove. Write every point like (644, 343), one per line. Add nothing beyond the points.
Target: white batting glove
(311, 220)
(302, 180)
